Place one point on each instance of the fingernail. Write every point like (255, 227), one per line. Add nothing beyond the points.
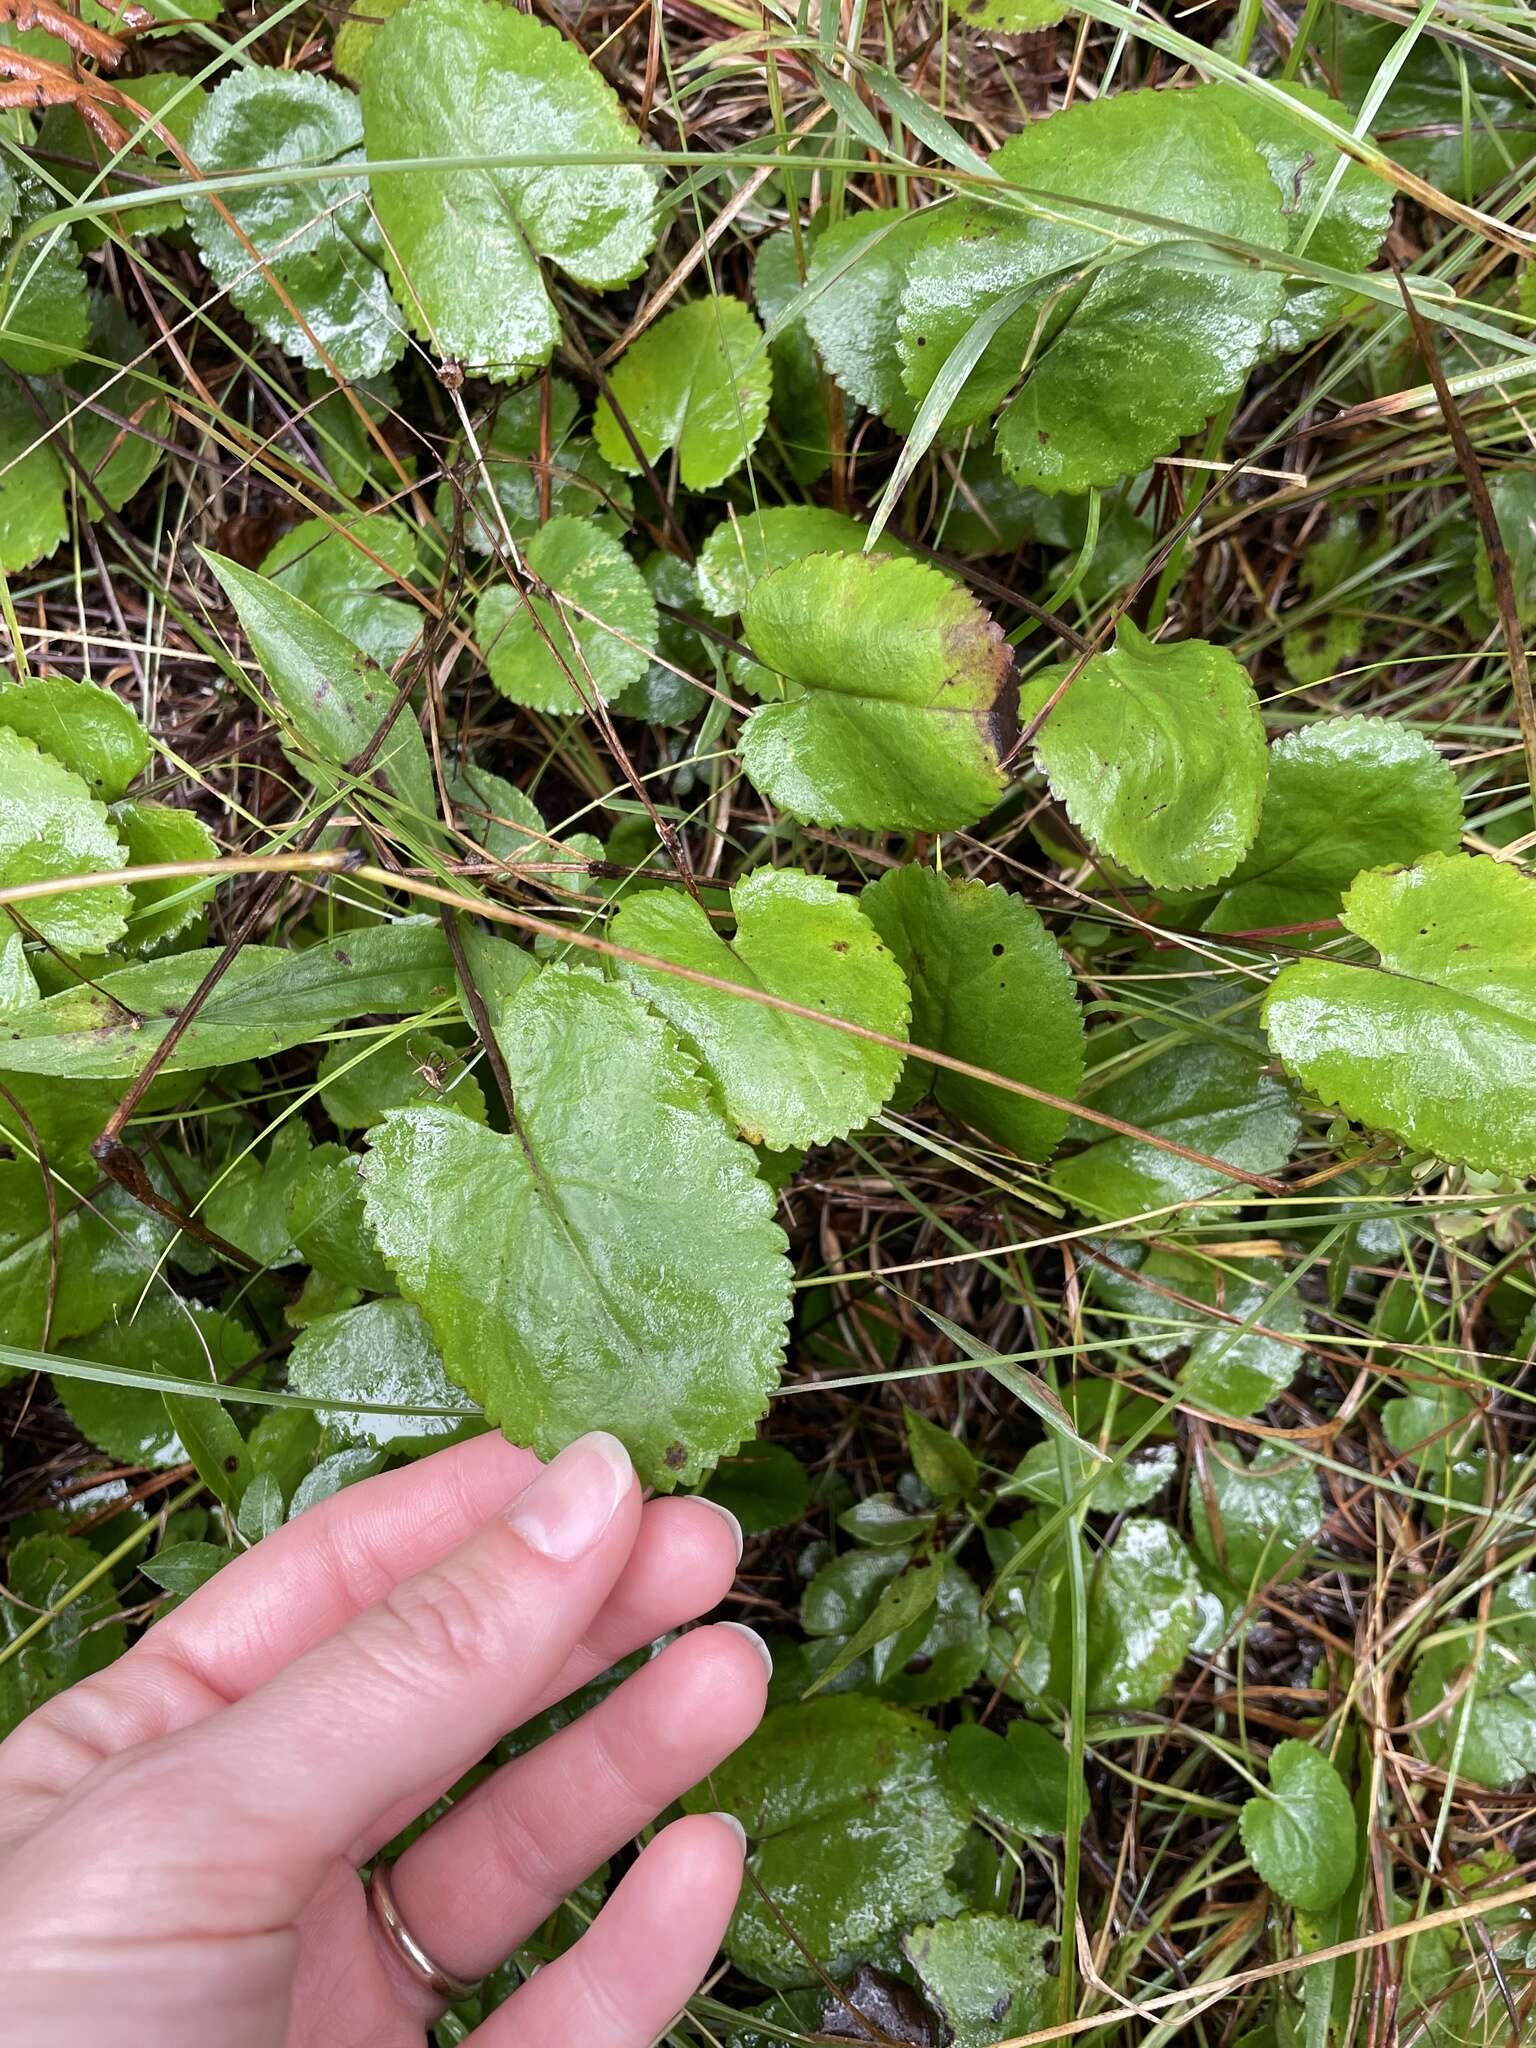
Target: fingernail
(563, 1512)
(754, 1639)
(728, 1518)
(735, 1826)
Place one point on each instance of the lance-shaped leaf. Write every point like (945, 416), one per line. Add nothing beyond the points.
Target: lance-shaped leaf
(1158, 754)
(595, 629)
(1300, 1835)
(899, 702)
(853, 1824)
(51, 826)
(698, 380)
(301, 258)
(455, 78)
(611, 1263)
(784, 1080)
(1343, 794)
(1131, 334)
(1438, 1043)
(267, 1000)
(336, 696)
(989, 985)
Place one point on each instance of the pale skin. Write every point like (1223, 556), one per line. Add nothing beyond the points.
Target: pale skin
(180, 1836)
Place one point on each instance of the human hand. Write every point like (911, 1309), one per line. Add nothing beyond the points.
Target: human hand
(180, 1835)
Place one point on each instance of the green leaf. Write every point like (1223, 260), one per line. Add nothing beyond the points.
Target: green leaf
(989, 985)
(662, 696)
(1143, 1613)
(1249, 1517)
(182, 1567)
(1110, 1488)
(1485, 1716)
(1512, 493)
(593, 631)
(507, 826)
(109, 1250)
(613, 1264)
(18, 984)
(1132, 334)
(853, 1824)
(744, 547)
(112, 423)
(32, 479)
(331, 1475)
(986, 1972)
(339, 572)
(457, 78)
(1230, 1369)
(900, 699)
(854, 318)
(248, 1203)
(784, 1080)
(898, 1623)
(314, 286)
(1013, 17)
(213, 1443)
(1021, 1782)
(1300, 1836)
(168, 1336)
(1343, 794)
(378, 1353)
(51, 825)
(1352, 226)
(68, 147)
(503, 486)
(763, 1485)
(354, 38)
(799, 410)
(360, 1085)
(44, 305)
(1213, 1098)
(1436, 1045)
(328, 1222)
(83, 726)
(153, 833)
(941, 1461)
(335, 695)
(697, 381)
(1157, 752)
(261, 1508)
(269, 998)
(87, 1636)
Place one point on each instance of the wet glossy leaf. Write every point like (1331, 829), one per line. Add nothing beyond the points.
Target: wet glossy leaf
(153, 833)
(361, 1084)
(764, 1486)
(989, 985)
(783, 1080)
(314, 286)
(1343, 794)
(83, 726)
(455, 78)
(349, 574)
(44, 304)
(986, 1973)
(331, 1475)
(87, 1636)
(32, 479)
(378, 1353)
(335, 696)
(1130, 334)
(182, 1567)
(18, 984)
(941, 1461)
(328, 1222)
(1111, 1484)
(507, 825)
(1238, 1358)
(248, 1202)
(612, 1265)
(180, 1340)
(1249, 1517)
(799, 410)
(1157, 752)
(854, 318)
(853, 1824)
(899, 702)
(1436, 1045)
(51, 825)
(747, 545)
(1300, 1837)
(1485, 1717)
(109, 1248)
(908, 1626)
(269, 999)
(696, 382)
(593, 633)
(1020, 1781)
(1143, 1612)
(1213, 1098)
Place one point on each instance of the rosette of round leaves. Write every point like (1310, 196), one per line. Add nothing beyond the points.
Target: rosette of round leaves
(1342, 795)
(592, 633)
(1130, 331)
(1436, 1044)
(989, 985)
(298, 256)
(898, 704)
(784, 1080)
(453, 78)
(1300, 1835)
(698, 382)
(1157, 751)
(613, 1261)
